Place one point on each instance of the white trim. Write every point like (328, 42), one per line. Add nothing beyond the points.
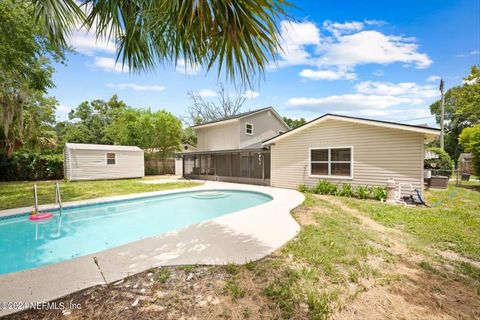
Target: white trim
(329, 162)
(106, 159)
(248, 124)
(429, 132)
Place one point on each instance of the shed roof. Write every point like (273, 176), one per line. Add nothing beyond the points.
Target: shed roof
(107, 147)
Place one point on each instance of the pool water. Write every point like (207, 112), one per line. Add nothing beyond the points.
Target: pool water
(92, 228)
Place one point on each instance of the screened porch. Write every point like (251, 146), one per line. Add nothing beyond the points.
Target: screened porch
(245, 166)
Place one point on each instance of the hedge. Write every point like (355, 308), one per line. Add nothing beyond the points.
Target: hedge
(31, 166)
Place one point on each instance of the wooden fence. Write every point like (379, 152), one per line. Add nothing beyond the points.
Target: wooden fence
(159, 166)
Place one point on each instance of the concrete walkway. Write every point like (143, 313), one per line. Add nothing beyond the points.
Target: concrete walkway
(242, 236)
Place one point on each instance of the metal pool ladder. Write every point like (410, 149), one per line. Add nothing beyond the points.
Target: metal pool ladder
(58, 197)
(35, 198)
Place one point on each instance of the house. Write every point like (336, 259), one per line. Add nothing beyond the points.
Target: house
(231, 149)
(97, 162)
(336, 148)
(343, 149)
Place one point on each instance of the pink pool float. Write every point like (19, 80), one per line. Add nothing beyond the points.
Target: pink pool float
(40, 216)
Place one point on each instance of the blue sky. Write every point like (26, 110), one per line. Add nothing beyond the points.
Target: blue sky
(374, 59)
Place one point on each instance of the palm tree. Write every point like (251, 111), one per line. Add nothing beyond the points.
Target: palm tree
(236, 36)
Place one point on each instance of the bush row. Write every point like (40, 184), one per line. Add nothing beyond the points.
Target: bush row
(31, 166)
(346, 190)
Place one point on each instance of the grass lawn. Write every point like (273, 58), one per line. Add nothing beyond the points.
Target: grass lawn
(20, 194)
(454, 224)
(352, 259)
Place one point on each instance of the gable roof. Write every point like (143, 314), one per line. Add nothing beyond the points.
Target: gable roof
(240, 116)
(431, 132)
(107, 147)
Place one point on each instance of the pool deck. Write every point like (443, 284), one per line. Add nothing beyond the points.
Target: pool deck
(239, 237)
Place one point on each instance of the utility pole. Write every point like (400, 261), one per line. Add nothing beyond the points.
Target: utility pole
(442, 116)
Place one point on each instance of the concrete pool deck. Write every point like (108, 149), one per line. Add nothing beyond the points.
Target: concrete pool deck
(239, 237)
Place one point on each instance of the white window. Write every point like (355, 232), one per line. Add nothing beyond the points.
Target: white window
(331, 162)
(249, 129)
(111, 158)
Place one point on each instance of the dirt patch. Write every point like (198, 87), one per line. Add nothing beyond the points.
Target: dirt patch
(304, 216)
(450, 255)
(416, 293)
(167, 293)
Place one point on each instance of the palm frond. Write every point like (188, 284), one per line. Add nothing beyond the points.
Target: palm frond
(57, 18)
(239, 37)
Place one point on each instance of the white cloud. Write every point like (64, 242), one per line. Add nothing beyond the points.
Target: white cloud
(338, 29)
(109, 65)
(204, 93)
(61, 108)
(350, 102)
(86, 42)
(403, 89)
(295, 37)
(187, 68)
(327, 74)
(250, 94)
(374, 22)
(349, 45)
(376, 99)
(367, 47)
(433, 78)
(136, 87)
(471, 53)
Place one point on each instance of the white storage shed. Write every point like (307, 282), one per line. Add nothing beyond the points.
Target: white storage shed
(100, 162)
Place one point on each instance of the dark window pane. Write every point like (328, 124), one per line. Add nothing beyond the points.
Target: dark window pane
(340, 169)
(341, 154)
(319, 155)
(256, 161)
(210, 165)
(266, 168)
(110, 161)
(320, 169)
(235, 165)
(244, 164)
(222, 164)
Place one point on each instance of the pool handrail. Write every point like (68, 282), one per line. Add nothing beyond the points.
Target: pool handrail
(58, 197)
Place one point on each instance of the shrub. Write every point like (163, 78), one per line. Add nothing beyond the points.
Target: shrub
(363, 192)
(470, 140)
(443, 165)
(25, 165)
(325, 187)
(346, 190)
(379, 193)
(150, 171)
(303, 188)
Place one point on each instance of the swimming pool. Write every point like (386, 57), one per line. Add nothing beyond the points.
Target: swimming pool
(93, 228)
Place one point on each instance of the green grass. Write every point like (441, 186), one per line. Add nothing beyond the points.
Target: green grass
(452, 225)
(234, 288)
(19, 194)
(320, 262)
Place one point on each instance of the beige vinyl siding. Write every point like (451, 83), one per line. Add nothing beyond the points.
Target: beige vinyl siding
(378, 154)
(265, 126)
(92, 165)
(218, 137)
